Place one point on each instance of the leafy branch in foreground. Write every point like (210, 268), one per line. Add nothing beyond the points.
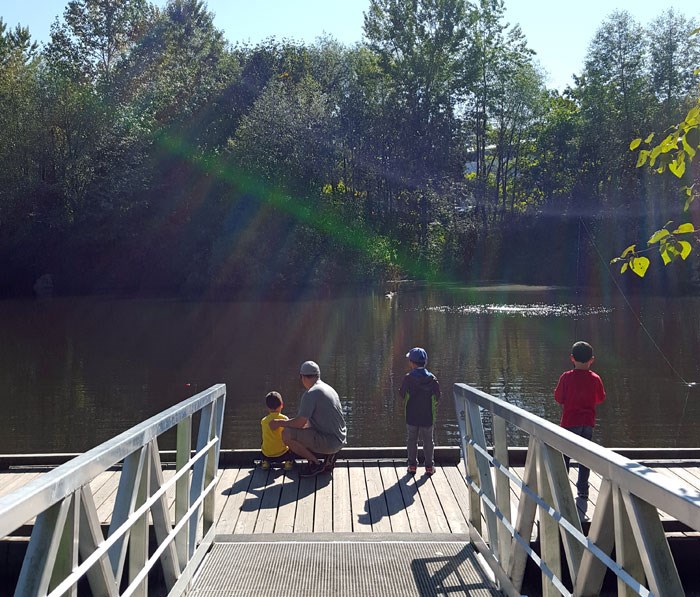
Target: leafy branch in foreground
(676, 151)
(674, 154)
(670, 247)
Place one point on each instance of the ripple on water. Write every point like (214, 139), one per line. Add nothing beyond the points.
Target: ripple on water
(531, 310)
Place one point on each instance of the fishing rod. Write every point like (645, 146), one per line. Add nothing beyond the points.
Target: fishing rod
(688, 384)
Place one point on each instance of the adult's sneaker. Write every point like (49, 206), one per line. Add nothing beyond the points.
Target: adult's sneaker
(429, 470)
(312, 469)
(412, 468)
(329, 462)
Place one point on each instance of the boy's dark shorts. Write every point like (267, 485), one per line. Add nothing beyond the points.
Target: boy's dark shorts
(288, 455)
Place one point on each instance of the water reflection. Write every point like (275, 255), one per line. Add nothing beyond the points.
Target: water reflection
(77, 371)
(536, 310)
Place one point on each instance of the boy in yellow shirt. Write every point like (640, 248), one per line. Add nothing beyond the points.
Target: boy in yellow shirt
(273, 447)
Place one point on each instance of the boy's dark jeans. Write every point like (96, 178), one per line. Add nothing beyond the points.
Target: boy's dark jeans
(425, 434)
(583, 472)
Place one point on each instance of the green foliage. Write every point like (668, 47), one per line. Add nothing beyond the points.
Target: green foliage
(674, 154)
(670, 248)
(285, 137)
(179, 163)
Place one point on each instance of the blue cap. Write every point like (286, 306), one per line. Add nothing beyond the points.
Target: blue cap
(417, 355)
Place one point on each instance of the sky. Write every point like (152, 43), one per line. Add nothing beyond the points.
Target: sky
(560, 36)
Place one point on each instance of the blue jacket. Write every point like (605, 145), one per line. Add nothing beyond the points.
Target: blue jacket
(420, 391)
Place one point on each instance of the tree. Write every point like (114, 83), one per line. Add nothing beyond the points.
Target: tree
(20, 129)
(554, 160)
(95, 36)
(501, 63)
(179, 68)
(615, 102)
(672, 57)
(515, 110)
(675, 154)
(285, 138)
(422, 47)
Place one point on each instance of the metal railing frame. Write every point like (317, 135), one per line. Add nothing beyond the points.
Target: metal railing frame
(67, 542)
(626, 515)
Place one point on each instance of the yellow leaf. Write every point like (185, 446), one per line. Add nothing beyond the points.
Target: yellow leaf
(684, 228)
(668, 144)
(628, 251)
(685, 248)
(624, 267)
(693, 116)
(688, 149)
(666, 256)
(639, 265)
(642, 158)
(677, 166)
(634, 144)
(657, 236)
(649, 139)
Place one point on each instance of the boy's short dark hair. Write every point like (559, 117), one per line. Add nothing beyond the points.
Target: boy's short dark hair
(273, 400)
(582, 352)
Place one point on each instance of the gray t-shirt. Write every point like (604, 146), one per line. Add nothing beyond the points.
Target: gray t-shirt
(320, 404)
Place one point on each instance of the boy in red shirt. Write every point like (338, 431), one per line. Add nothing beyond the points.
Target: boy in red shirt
(579, 391)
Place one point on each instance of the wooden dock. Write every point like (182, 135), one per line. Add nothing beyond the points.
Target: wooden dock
(361, 496)
(372, 501)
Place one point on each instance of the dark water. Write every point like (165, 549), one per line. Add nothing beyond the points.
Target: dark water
(77, 371)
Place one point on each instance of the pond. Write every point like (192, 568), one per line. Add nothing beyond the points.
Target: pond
(77, 371)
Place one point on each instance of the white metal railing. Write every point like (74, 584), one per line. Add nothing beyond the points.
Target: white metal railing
(67, 542)
(626, 515)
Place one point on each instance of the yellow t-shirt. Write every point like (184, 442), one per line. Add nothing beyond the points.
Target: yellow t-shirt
(272, 444)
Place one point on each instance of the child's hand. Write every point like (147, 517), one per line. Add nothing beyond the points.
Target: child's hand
(275, 424)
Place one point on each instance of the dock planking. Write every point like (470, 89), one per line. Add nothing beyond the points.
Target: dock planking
(360, 496)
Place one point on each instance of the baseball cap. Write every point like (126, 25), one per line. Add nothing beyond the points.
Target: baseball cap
(417, 355)
(310, 368)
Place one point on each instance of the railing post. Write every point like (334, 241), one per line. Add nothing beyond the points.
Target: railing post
(125, 505)
(525, 520)
(655, 553)
(563, 501)
(476, 429)
(100, 575)
(138, 539)
(160, 515)
(549, 529)
(626, 552)
(469, 459)
(37, 567)
(591, 573)
(500, 443)
(206, 421)
(209, 509)
(67, 558)
(182, 488)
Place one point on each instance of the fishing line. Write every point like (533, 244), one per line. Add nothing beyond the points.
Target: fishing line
(687, 384)
(639, 321)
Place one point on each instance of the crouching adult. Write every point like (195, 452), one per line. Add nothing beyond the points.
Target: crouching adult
(319, 427)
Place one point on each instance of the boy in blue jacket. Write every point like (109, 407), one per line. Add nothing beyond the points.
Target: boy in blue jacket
(420, 391)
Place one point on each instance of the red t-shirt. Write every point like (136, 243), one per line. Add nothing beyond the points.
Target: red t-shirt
(579, 391)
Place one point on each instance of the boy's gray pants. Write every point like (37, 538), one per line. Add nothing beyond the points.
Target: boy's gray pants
(413, 432)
